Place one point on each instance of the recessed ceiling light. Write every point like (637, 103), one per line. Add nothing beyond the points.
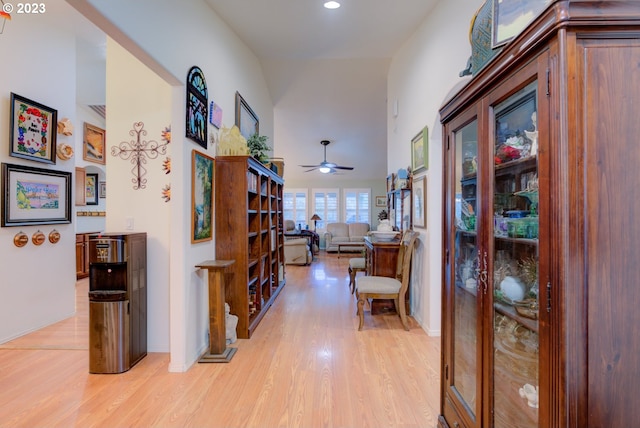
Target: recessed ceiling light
(332, 4)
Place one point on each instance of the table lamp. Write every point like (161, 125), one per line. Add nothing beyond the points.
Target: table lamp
(315, 219)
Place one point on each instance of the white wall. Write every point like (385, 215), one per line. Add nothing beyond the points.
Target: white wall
(38, 282)
(137, 95)
(421, 75)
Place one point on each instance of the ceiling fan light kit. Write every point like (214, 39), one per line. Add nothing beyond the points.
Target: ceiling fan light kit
(324, 166)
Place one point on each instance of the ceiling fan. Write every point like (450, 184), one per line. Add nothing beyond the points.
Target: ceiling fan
(324, 166)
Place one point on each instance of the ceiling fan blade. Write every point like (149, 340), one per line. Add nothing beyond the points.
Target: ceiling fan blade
(312, 169)
(343, 167)
(310, 166)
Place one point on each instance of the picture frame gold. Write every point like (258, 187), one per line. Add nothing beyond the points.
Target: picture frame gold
(420, 151)
(94, 144)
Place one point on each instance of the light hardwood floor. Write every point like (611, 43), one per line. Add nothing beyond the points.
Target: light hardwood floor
(305, 366)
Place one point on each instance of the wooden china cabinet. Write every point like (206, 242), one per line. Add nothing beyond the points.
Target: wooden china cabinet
(541, 199)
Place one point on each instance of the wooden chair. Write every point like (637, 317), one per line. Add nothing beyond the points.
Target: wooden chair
(382, 287)
(356, 264)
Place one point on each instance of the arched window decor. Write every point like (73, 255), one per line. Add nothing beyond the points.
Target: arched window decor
(197, 97)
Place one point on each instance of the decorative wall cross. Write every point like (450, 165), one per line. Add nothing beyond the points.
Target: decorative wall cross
(138, 150)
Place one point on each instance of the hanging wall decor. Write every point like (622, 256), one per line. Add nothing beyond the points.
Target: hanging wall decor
(196, 124)
(246, 119)
(201, 197)
(94, 143)
(34, 196)
(33, 130)
(139, 150)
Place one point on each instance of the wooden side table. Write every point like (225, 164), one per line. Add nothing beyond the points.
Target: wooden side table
(218, 350)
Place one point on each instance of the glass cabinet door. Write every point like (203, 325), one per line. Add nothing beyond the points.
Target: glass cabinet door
(466, 361)
(515, 261)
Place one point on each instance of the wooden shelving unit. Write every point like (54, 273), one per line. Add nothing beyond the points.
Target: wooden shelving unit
(249, 230)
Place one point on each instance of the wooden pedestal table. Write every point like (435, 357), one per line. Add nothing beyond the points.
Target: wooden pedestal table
(218, 350)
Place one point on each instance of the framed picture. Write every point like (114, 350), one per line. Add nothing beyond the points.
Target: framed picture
(33, 196)
(510, 17)
(420, 151)
(197, 115)
(103, 189)
(381, 201)
(201, 197)
(94, 144)
(420, 202)
(33, 130)
(91, 189)
(246, 120)
(215, 115)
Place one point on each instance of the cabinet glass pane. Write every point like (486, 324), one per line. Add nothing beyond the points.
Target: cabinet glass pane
(515, 261)
(466, 369)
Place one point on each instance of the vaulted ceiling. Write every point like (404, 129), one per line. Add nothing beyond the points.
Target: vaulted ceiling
(326, 71)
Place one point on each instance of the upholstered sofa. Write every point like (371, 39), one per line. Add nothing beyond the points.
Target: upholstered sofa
(344, 233)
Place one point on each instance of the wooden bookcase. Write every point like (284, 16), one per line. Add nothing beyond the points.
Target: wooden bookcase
(250, 230)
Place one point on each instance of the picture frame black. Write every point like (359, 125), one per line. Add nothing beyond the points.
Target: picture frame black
(33, 128)
(34, 196)
(246, 119)
(91, 189)
(197, 107)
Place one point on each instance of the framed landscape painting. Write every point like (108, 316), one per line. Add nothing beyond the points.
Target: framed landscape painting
(201, 197)
(420, 151)
(34, 196)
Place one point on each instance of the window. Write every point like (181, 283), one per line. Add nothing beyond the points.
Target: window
(357, 205)
(325, 204)
(295, 206)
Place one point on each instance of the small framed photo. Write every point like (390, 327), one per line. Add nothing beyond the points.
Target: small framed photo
(215, 115)
(420, 151)
(94, 144)
(381, 201)
(201, 197)
(246, 119)
(103, 189)
(34, 196)
(420, 202)
(510, 17)
(91, 189)
(33, 130)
